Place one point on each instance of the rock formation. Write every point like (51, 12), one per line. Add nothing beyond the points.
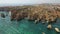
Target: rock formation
(48, 13)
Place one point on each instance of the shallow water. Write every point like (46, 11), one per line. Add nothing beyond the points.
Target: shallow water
(25, 27)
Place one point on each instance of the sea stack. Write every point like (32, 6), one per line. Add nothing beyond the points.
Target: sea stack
(2, 15)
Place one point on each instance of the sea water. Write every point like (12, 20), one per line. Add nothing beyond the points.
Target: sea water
(24, 26)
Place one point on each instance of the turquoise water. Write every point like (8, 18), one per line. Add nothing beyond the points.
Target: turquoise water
(25, 27)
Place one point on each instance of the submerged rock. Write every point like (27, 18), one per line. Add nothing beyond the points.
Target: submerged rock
(43, 32)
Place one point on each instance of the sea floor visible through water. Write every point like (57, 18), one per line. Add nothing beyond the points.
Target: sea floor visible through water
(25, 27)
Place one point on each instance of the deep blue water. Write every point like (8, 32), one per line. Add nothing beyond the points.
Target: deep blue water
(25, 27)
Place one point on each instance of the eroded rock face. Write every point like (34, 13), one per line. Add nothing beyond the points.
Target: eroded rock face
(42, 13)
(13, 14)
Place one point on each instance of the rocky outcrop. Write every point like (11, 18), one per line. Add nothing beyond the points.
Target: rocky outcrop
(48, 13)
